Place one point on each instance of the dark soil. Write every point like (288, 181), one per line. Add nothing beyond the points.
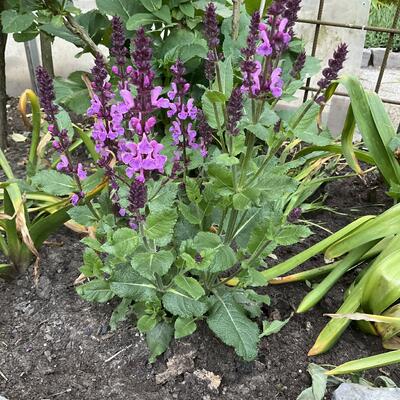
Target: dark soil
(53, 345)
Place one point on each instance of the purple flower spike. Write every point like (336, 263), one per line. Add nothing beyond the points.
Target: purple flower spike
(82, 174)
(211, 29)
(63, 165)
(291, 12)
(118, 49)
(298, 65)
(46, 93)
(332, 71)
(137, 196)
(235, 110)
(252, 37)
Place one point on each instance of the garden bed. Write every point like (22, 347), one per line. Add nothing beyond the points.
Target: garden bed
(53, 345)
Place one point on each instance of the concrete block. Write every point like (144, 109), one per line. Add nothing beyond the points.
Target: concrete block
(393, 61)
(377, 56)
(350, 391)
(366, 58)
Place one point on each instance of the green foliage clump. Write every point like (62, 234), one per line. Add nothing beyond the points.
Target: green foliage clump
(382, 15)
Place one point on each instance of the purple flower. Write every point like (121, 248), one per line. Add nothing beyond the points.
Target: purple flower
(265, 49)
(251, 77)
(252, 37)
(75, 199)
(292, 9)
(46, 93)
(335, 64)
(141, 157)
(63, 164)
(82, 175)
(235, 110)
(276, 83)
(118, 49)
(298, 65)
(211, 29)
(294, 215)
(137, 196)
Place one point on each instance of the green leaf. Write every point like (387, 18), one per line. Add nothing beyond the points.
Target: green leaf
(292, 234)
(138, 20)
(221, 9)
(232, 47)
(120, 313)
(190, 286)
(319, 382)
(206, 240)
(260, 131)
(151, 5)
(74, 95)
(164, 13)
(162, 197)
(54, 182)
(183, 306)
(243, 200)
(226, 73)
(271, 327)
(128, 283)
(12, 21)
(192, 190)
(82, 215)
(226, 160)
(97, 290)
(215, 96)
(190, 213)
(146, 323)
(187, 9)
(148, 264)
(224, 259)
(124, 243)
(184, 327)
(92, 243)
(160, 224)
(92, 264)
(158, 339)
(208, 109)
(121, 8)
(229, 322)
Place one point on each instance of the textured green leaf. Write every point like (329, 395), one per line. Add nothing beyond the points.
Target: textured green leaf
(152, 5)
(259, 131)
(146, 323)
(138, 20)
(121, 8)
(72, 94)
(183, 306)
(192, 190)
(54, 182)
(190, 286)
(148, 264)
(184, 327)
(92, 243)
(120, 313)
(216, 97)
(128, 283)
(190, 213)
(160, 224)
(13, 21)
(162, 197)
(82, 215)
(125, 241)
(158, 339)
(206, 240)
(92, 264)
(229, 322)
(96, 290)
(271, 327)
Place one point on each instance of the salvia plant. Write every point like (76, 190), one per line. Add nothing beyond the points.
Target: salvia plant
(200, 188)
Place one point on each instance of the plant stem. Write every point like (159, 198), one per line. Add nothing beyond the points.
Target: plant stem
(236, 18)
(3, 92)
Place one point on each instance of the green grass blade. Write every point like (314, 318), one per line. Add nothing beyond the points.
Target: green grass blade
(88, 142)
(347, 141)
(327, 283)
(298, 259)
(386, 224)
(377, 361)
(372, 136)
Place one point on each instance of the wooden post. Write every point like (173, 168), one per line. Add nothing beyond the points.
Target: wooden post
(46, 53)
(3, 92)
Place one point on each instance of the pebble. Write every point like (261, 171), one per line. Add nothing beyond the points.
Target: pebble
(352, 391)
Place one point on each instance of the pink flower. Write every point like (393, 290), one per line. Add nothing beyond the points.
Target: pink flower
(276, 84)
(156, 101)
(75, 199)
(82, 175)
(265, 49)
(95, 106)
(63, 165)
